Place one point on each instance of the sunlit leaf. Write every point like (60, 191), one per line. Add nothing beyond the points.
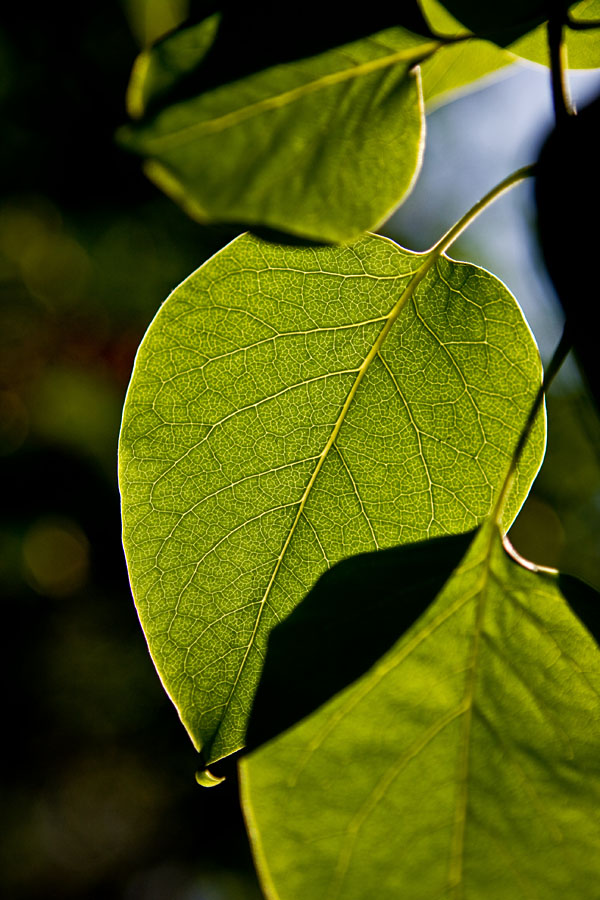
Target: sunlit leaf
(464, 764)
(457, 68)
(293, 406)
(583, 47)
(503, 22)
(323, 148)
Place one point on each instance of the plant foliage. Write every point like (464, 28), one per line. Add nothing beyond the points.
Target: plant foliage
(323, 445)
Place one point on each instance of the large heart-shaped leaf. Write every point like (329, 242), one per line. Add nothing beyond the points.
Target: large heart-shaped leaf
(324, 148)
(464, 764)
(293, 406)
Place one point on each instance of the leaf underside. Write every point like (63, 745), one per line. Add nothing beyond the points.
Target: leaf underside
(323, 148)
(286, 410)
(477, 736)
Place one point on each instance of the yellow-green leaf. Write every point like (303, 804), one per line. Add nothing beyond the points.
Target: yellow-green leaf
(464, 764)
(323, 148)
(293, 406)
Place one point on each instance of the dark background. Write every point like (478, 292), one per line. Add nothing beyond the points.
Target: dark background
(100, 799)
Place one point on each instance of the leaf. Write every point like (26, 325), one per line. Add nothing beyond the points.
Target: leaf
(457, 68)
(290, 407)
(502, 22)
(233, 42)
(459, 65)
(346, 633)
(464, 764)
(567, 188)
(583, 47)
(323, 148)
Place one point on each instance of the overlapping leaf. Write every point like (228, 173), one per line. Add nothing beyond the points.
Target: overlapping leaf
(456, 65)
(293, 406)
(503, 22)
(583, 47)
(324, 148)
(464, 764)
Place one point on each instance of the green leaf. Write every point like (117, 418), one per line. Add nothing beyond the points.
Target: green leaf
(503, 22)
(323, 148)
(457, 68)
(346, 637)
(583, 47)
(158, 70)
(293, 406)
(464, 764)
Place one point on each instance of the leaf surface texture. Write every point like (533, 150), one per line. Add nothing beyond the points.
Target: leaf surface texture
(290, 407)
(477, 736)
(324, 148)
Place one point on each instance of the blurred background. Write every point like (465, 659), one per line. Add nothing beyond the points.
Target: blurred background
(99, 796)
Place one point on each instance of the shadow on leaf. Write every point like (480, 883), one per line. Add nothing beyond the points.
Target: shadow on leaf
(355, 613)
(244, 42)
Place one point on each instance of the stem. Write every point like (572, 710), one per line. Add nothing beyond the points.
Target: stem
(563, 108)
(564, 345)
(456, 230)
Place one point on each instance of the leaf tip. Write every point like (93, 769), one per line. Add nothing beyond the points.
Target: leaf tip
(168, 182)
(207, 779)
(134, 99)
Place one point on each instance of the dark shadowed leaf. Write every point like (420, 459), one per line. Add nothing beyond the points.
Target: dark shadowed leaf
(502, 22)
(567, 194)
(353, 615)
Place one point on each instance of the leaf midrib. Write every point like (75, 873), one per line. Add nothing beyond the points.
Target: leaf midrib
(457, 852)
(285, 98)
(390, 319)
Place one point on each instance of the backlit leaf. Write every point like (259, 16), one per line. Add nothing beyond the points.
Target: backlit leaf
(323, 148)
(464, 764)
(583, 47)
(290, 407)
(457, 67)
(503, 22)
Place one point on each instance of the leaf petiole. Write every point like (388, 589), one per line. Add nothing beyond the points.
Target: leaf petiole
(453, 233)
